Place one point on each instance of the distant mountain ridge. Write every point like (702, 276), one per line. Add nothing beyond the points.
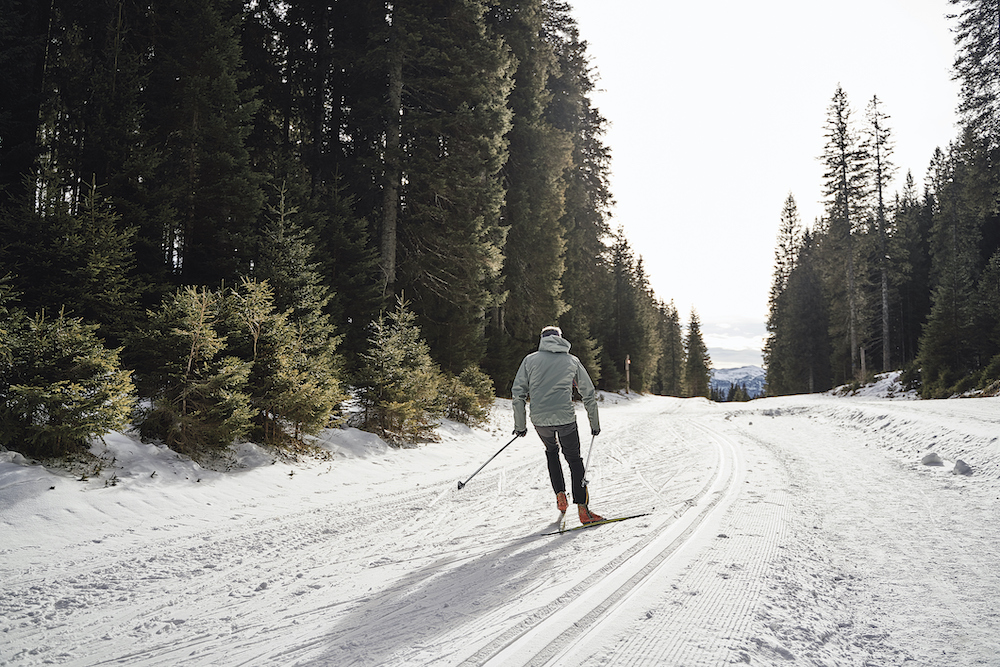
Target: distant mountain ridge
(751, 377)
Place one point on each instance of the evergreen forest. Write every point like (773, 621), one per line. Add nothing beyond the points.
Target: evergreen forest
(906, 280)
(225, 219)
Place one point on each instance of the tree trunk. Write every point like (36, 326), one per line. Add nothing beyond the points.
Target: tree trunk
(886, 363)
(391, 177)
(851, 301)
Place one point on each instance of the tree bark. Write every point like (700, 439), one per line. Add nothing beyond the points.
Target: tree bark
(391, 176)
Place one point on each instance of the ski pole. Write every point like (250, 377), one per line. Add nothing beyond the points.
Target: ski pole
(586, 467)
(462, 484)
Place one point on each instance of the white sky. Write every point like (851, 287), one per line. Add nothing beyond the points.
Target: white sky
(716, 113)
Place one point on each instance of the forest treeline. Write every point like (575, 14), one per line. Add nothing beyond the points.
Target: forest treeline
(906, 280)
(246, 211)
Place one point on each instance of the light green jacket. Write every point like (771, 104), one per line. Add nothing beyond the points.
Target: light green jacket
(547, 378)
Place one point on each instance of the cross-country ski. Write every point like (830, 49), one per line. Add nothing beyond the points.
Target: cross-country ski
(594, 524)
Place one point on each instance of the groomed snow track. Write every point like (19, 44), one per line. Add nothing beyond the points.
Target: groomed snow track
(802, 528)
(560, 628)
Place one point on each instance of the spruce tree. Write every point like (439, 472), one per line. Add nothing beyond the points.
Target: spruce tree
(198, 392)
(455, 85)
(977, 65)
(9, 317)
(806, 345)
(879, 145)
(910, 261)
(587, 196)
(80, 262)
(947, 347)
(671, 364)
(95, 73)
(697, 363)
(293, 385)
(988, 316)
(25, 42)
(787, 248)
(846, 188)
(399, 388)
(631, 324)
(348, 264)
(59, 387)
(533, 178)
(199, 117)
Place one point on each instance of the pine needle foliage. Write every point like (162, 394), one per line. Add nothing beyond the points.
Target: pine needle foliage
(469, 397)
(59, 386)
(199, 400)
(697, 363)
(294, 388)
(77, 260)
(400, 387)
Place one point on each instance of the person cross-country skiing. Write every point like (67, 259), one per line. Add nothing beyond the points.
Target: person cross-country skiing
(547, 377)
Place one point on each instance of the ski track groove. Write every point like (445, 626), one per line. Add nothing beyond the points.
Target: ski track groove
(644, 567)
(126, 592)
(697, 621)
(786, 561)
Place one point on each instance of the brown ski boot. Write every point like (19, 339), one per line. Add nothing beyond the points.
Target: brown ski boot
(561, 502)
(586, 516)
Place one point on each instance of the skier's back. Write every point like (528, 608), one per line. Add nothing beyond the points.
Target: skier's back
(548, 377)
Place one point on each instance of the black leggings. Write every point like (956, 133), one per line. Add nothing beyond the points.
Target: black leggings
(567, 437)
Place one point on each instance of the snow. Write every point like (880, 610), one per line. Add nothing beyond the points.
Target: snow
(800, 528)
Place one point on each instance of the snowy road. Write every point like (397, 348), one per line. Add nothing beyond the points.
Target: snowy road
(800, 528)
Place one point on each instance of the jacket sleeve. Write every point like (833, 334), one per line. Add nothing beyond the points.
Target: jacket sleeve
(586, 388)
(519, 393)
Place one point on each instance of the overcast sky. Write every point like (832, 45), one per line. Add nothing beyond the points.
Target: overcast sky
(716, 114)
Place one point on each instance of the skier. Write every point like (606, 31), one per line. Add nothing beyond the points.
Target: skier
(548, 377)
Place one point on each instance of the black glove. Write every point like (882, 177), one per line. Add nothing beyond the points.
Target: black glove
(521, 433)
(595, 432)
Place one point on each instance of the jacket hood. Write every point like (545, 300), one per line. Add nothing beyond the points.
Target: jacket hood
(554, 344)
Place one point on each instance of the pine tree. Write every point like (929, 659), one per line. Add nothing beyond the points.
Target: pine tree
(199, 118)
(845, 186)
(59, 387)
(80, 262)
(400, 387)
(977, 67)
(199, 404)
(697, 363)
(879, 145)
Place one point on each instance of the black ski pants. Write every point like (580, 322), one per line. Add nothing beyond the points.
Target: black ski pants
(566, 437)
